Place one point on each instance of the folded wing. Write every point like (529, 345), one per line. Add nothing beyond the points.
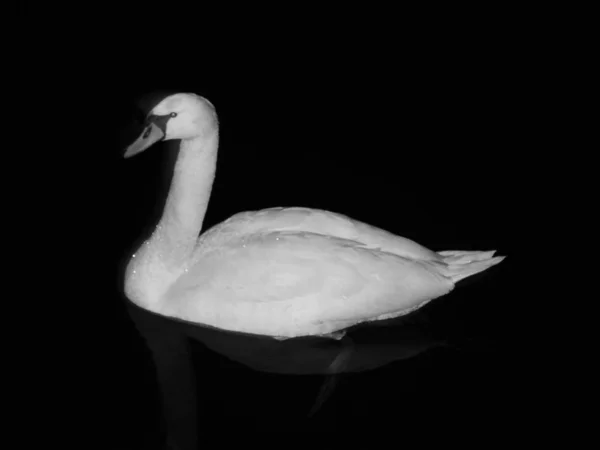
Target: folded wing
(298, 282)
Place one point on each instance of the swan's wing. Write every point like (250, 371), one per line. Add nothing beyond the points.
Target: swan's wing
(293, 283)
(314, 221)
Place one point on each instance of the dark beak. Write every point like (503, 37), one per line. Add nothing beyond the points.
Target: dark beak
(154, 131)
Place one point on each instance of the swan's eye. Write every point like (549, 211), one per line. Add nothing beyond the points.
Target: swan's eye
(173, 114)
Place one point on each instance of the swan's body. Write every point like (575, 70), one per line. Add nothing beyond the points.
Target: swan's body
(282, 272)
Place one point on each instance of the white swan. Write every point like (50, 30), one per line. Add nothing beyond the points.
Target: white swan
(282, 272)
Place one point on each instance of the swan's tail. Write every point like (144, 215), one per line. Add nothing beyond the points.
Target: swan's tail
(463, 264)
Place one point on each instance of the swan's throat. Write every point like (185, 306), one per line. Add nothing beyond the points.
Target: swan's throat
(181, 223)
(164, 257)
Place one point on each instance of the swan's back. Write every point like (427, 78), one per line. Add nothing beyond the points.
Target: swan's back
(312, 221)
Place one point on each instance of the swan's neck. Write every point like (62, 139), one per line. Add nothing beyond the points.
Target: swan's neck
(163, 258)
(177, 232)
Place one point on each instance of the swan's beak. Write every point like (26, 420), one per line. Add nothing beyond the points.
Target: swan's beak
(152, 133)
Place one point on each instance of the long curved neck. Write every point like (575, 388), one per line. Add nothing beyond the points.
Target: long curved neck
(177, 232)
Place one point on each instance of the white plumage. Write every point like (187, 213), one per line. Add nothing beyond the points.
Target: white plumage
(283, 272)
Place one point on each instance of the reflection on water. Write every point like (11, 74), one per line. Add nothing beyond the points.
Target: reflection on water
(264, 383)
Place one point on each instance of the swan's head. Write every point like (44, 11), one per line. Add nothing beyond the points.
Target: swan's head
(179, 116)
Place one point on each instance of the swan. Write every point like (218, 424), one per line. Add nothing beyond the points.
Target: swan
(279, 272)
